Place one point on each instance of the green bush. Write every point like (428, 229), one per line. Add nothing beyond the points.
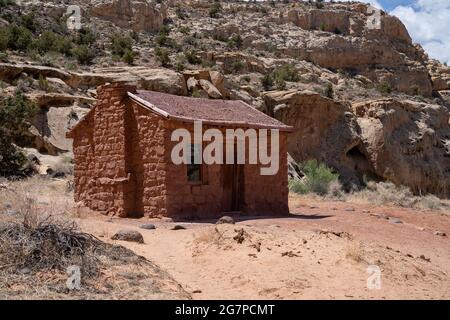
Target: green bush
(43, 83)
(192, 57)
(120, 44)
(180, 12)
(128, 57)
(215, 9)
(50, 41)
(4, 39)
(267, 81)
(83, 54)
(4, 3)
(318, 179)
(85, 36)
(328, 91)
(384, 88)
(237, 66)
(235, 41)
(162, 55)
(19, 37)
(279, 76)
(15, 115)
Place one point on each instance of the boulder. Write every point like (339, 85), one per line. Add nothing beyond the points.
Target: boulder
(225, 220)
(324, 129)
(147, 226)
(128, 235)
(406, 142)
(192, 84)
(210, 89)
(162, 80)
(178, 227)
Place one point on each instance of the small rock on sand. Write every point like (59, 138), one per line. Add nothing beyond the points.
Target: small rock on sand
(225, 219)
(349, 209)
(178, 227)
(395, 220)
(147, 226)
(128, 235)
(440, 233)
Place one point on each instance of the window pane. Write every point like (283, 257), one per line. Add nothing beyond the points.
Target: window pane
(194, 170)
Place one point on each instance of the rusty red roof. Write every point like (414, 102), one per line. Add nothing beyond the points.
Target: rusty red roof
(219, 112)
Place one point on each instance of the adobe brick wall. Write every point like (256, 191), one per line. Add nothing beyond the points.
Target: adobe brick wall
(145, 160)
(262, 195)
(83, 150)
(123, 166)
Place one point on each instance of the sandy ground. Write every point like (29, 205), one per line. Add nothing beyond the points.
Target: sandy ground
(322, 250)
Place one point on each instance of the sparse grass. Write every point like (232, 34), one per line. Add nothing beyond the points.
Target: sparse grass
(38, 242)
(355, 253)
(387, 193)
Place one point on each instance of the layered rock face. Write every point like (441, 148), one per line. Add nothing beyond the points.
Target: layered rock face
(323, 129)
(405, 142)
(137, 15)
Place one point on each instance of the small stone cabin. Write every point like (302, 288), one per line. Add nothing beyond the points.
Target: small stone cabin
(122, 154)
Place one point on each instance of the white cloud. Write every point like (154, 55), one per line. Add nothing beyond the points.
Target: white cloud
(428, 22)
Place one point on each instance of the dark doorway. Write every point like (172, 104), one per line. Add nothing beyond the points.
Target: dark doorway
(233, 186)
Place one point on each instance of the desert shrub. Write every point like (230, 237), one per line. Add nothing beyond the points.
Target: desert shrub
(83, 54)
(279, 76)
(384, 88)
(29, 21)
(85, 36)
(180, 12)
(215, 9)
(185, 30)
(319, 4)
(19, 37)
(162, 55)
(15, 115)
(192, 57)
(128, 57)
(328, 91)
(208, 64)
(43, 83)
(50, 41)
(246, 79)
(237, 66)
(235, 41)
(267, 81)
(4, 3)
(415, 90)
(318, 178)
(120, 44)
(381, 193)
(163, 39)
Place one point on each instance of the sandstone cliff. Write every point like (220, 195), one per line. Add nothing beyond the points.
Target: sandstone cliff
(366, 100)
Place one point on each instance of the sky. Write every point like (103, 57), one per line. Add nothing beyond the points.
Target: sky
(427, 21)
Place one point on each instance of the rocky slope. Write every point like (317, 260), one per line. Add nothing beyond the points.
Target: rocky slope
(363, 99)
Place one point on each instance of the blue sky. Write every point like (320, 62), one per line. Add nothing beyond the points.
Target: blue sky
(388, 5)
(427, 21)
